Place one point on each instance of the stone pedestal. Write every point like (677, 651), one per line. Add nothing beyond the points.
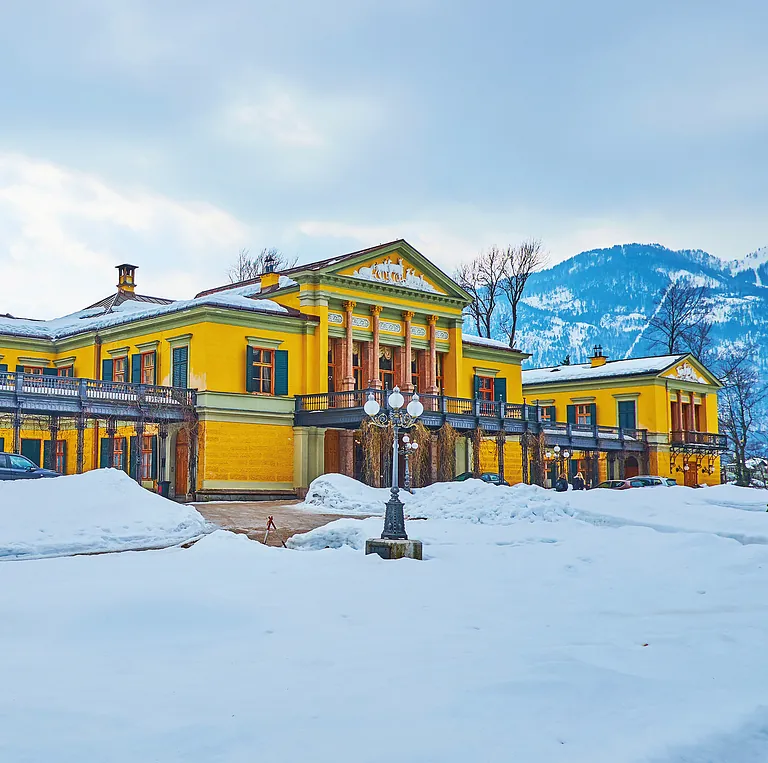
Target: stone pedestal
(394, 549)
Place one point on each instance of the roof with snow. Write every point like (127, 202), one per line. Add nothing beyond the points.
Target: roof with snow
(493, 344)
(101, 317)
(585, 371)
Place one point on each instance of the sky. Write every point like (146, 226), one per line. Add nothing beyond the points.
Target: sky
(171, 134)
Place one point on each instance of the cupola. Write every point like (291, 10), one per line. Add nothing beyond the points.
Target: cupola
(598, 359)
(126, 280)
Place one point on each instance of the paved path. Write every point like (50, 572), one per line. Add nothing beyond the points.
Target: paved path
(251, 518)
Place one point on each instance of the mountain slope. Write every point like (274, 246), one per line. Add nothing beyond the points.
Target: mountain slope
(606, 296)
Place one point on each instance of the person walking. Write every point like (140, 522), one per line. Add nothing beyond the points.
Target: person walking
(578, 482)
(561, 485)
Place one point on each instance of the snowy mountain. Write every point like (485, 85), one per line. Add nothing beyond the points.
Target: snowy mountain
(606, 297)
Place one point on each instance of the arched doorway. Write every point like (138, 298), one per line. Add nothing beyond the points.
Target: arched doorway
(181, 460)
(631, 467)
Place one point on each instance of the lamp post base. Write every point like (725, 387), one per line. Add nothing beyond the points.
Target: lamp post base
(394, 549)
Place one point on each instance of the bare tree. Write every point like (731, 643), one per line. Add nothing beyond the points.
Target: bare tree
(681, 322)
(739, 404)
(520, 262)
(247, 267)
(481, 277)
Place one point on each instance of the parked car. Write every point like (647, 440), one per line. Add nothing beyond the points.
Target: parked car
(640, 481)
(490, 477)
(16, 467)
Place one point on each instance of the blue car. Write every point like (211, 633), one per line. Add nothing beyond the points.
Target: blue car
(16, 467)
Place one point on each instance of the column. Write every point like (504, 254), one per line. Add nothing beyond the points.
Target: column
(347, 452)
(17, 431)
(81, 425)
(53, 428)
(407, 385)
(432, 361)
(111, 448)
(137, 454)
(679, 417)
(348, 377)
(162, 452)
(375, 381)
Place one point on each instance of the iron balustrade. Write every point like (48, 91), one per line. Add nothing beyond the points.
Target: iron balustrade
(705, 440)
(95, 390)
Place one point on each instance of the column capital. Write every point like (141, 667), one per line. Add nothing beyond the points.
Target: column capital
(408, 315)
(376, 309)
(431, 320)
(349, 306)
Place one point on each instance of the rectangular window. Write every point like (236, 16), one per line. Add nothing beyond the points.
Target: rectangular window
(263, 371)
(387, 367)
(118, 369)
(584, 415)
(60, 461)
(485, 388)
(65, 371)
(546, 413)
(627, 414)
(147, 367)
(415, 376)
(180, 373)
(146, 457)
(357, 365)
(439, 374)
(118, 454)
(37, 370)
(331, 365)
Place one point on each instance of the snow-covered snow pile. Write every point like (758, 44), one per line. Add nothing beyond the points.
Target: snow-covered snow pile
(102, 510)
(708, 510)
(351, 533)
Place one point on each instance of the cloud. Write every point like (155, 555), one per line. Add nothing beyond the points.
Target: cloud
(63, 231)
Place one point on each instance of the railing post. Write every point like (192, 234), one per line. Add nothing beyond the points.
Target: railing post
(19, 383)
(538, 413)
(443, 404)
(82, 392)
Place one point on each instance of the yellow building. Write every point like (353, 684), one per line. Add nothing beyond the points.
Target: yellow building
(256, 388)
(668, 402)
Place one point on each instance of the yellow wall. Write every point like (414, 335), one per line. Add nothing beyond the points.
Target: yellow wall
(510, 370)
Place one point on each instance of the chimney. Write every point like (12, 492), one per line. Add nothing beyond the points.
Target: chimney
(598, 359)
(126, 280)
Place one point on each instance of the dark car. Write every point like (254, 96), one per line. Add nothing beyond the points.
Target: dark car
(631, 482)
(16, 467)
(490, 477)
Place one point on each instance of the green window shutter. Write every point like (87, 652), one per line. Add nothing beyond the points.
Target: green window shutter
(593, 414)
(64, 453)
(31, 449)
(133, 458)
(573, 468)
(3, 368)
(136, 369)
(500, 389)
(47, 455)
(104, 453)
(627, 414)
(552, 412)
(50, 372)
(180, 373)
(153, 472)
(476, 385)
(19, 369)
(571, 414)
(249, 369)
(2, 444)
(281, 372)
(106, 369)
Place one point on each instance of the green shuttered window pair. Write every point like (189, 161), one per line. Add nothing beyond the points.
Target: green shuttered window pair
(141, 365)
(266, 371)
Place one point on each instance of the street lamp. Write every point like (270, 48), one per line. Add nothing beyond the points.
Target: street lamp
(394, 542)
(409, 449)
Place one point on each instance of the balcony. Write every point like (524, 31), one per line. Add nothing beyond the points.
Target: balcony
(699, 441)
(32, 394)
(344, 410)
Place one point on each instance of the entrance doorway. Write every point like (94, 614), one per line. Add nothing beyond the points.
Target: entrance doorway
(691, 478)
(631, 467)
(181, 485)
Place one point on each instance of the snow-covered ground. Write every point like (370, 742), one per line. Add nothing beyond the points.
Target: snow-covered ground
(527, 634)
(102, 510)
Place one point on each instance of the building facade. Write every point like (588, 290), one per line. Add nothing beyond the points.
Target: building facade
(256, 388)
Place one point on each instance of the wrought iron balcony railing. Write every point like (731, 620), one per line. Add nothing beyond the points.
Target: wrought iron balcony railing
(703, 440)
(93, 391)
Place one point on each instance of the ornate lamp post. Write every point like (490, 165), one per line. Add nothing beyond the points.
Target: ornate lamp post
(394, 542)
(409, 449)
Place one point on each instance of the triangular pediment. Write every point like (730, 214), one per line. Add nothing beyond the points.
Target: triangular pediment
(689, 369)
(397, 265)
